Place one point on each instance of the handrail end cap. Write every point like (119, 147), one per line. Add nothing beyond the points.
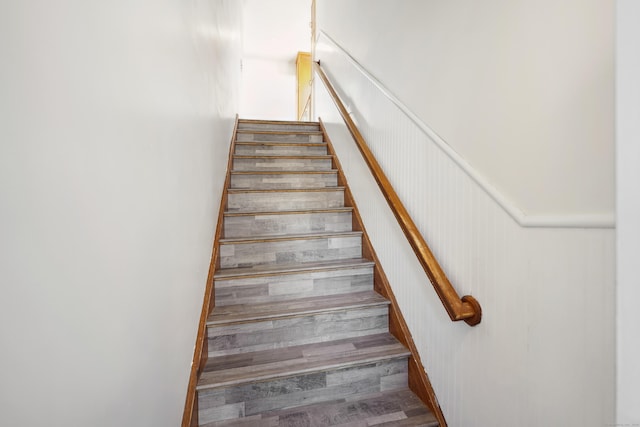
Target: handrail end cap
(477, 310)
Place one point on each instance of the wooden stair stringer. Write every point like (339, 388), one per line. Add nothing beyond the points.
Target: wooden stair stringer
(190, 413)
(419, 381)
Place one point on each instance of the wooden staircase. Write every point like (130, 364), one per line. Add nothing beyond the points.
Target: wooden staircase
(299, 336)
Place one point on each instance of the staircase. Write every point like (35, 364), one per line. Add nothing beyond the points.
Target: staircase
(298, 336)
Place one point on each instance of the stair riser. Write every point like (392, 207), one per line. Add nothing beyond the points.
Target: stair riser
(281, 333)
(277, 137)
(266, 164)
(281, 150)
(261, 289)
(247, 400)
(269, 201)
(279, 127)
(277, 181)
(280, 224)
(234, 255)
(398, 408)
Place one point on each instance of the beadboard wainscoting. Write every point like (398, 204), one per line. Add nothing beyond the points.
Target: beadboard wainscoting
(544, 352)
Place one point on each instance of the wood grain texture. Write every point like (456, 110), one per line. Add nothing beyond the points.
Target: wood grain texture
(275, 333)
(241, 313)
(279, 136)
(270, 270)
(302, 284)
(283, 179)
(246, 252)
(295, 327)
(282, 149)
(419, 381)
(328, 385)
(244, 368)
(396, 408)
(265, 162)
(466, 308)
(247, 200)
(190, 413)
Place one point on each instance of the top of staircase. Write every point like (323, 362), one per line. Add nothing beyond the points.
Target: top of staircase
(277, 122)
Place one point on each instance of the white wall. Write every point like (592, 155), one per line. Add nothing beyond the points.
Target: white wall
(628, 211)
(544, 352)
(115, 119)
(274, 31)
(522, 90)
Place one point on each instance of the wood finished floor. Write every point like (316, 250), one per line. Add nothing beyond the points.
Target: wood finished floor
(398, 408)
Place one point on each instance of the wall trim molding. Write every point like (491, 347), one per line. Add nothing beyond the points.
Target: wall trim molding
(605, 220)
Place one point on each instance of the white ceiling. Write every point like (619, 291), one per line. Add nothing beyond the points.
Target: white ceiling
(276, 29)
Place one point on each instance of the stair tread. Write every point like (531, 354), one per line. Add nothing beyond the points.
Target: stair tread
(389, 408)
(284, 172)
(284, 156)
(281, 132)
(264, 365)
(289, 211)
(286, 190)
(305, 236)
(283, 143)
(276, 269)
(278, 122)
(241, 313)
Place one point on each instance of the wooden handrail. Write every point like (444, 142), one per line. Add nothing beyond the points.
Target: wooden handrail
(466, 308)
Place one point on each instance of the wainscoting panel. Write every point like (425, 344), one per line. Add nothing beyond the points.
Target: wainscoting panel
(544, 352)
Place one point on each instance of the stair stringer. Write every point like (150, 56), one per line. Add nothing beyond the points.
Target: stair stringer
(200, 355)
(419, 381)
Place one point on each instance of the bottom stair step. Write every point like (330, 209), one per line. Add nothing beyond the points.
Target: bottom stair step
(242, 385)
(396, 408)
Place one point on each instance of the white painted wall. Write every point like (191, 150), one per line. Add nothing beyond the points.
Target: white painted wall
(522, 90)
(628, 211)
(274, 31)
(544, 354)
(115, 120)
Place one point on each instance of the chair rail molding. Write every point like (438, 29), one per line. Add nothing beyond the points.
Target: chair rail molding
(604, 220)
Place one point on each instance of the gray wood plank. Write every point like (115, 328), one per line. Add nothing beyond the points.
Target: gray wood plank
(402, 406)
(280, 180)
(284, 199)
(247, 312)
(265, 270)
(286, 332)
(290, 284)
